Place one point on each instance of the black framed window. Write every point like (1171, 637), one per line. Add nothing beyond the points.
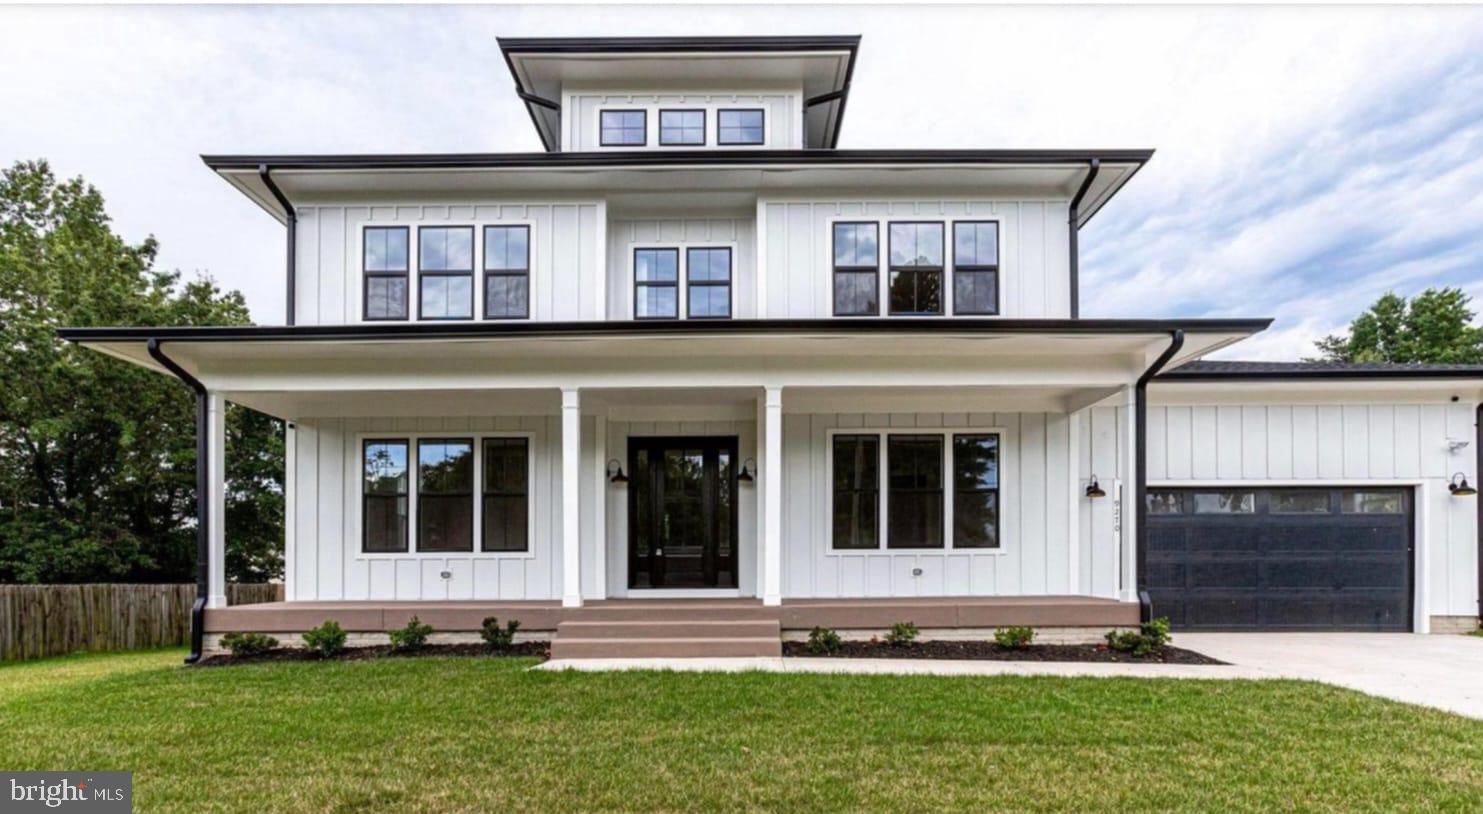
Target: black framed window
(445, 494)
(740, 126)
(445, 272)
(623, 128)
(856, 269)
(506, 509)
(916, 268)
(681, 127)
(976, 267)
(656, 283)
(914, 497)
(976, 490)
(506, 272)
(384, 495)
(384, 269)
(857, 496)
(708, 283)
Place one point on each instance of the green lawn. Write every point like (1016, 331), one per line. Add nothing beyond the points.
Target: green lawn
(466, 734)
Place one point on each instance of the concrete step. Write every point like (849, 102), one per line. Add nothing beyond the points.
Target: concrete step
(671, 629)
(604, 648)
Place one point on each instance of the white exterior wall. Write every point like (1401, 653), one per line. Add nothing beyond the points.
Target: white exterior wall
(796, 250)
(1102, 450)
(782, 123)
(626, 235)
(567, 249)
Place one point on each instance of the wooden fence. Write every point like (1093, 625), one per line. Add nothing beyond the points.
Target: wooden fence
(51, 620)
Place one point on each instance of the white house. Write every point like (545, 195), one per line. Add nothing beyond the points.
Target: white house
(694, 378)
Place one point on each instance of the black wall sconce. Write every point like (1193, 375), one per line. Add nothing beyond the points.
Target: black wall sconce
(1459, 486)
(615, 472)
(1094, 489)
(746, 475)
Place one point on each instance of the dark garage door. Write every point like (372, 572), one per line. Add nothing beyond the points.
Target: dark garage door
(1280, 559)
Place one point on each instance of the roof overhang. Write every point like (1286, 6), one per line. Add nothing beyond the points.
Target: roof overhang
(824, 65)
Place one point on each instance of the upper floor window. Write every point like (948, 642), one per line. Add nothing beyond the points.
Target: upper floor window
(856, 269)
(681, 127)
(445, 265)
(656, 283)
(506, 272)
(623, 128)
(976, 267)
(916, 268)
(708, 283)
(384, 263)
(739, 127)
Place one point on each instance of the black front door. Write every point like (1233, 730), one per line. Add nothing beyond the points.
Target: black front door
(682, 512)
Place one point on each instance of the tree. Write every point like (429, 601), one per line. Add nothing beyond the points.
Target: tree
(97, 457)
(1435, 327)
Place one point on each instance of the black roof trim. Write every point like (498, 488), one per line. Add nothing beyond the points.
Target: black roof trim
(431, 330)
(1217, 370)
(662, 158)
(643, 45)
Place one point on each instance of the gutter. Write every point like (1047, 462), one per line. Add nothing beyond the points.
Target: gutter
(1140, 465)
(1075, 228)
(203, 501)
(293, 230)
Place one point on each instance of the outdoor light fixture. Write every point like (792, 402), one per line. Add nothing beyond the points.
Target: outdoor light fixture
(615, 472)
(1459, 486)
(1094, 489)
(746, 476)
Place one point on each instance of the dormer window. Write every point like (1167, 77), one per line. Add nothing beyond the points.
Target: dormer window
(681, 128)
(739, 127)
(624, 128)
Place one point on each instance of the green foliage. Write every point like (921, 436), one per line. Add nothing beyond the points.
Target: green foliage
(411, 637)
(1434, 327)
(1147, 640)
(902, 634)
(327, 640)
(1014, 638)
(248, 644)
(822, 641)
(496, 637)
(97, 457)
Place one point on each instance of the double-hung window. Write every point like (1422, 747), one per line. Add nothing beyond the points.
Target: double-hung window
(976, 267)
(506, 272)
(445, 268)
(856, 269)
(384, 495)
(681, 128)
(623, 128)
(916, 268)
(914, 500)
(975, 490)
(656, 283)
(708, 283)
(384, 271)
(445, 494)
(739, 127)
(506, 490)
(857, 491)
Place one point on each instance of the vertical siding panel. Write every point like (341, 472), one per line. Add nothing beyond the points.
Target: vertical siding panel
(1462, 537)
(1407, 441)
(1060, 481)
(306, 259)
(332, 265)
(1432, 453)
(1382, 441)
(1084, 470)
(1279, 441)
(1032, 268)
(357, 571)
(1204, 436)
(1330, 441)
(801, 280)
(1228, 441)
(1032, 503)
(1007, 565)
(1356, 418)
(798, 503)
(1253, 442)
(306, 534)
(408, 579)
(1102, 538)
(331, 467)
(1179, 450)
(566, 264)
(1304, 441)
(1158, 443)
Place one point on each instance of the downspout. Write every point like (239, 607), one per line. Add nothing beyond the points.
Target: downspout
(293, 231)
(1140, 466)
(1074, 229)
(203, 500)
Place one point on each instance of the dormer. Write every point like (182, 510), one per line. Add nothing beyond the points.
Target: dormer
(599, 94)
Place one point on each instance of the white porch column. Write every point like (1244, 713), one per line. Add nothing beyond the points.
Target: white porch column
(216, 477)
(1128, 582)
(571, 499)
(772, 496)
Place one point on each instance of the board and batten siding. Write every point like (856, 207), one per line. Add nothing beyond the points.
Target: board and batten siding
(783, 118)
(795, 246)
(1337, 443)
(626, 235)
(567, 244)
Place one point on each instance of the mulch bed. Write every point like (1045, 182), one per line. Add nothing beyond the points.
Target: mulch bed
(989, 651)
(541, 650)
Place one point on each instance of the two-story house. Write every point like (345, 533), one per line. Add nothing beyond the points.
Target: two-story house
(694, 379)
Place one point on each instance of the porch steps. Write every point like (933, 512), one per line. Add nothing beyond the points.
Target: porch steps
(668, 630)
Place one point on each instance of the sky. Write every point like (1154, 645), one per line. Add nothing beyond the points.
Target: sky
(1309, 159)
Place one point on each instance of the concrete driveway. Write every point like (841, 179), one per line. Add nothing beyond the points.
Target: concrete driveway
(1442, 671)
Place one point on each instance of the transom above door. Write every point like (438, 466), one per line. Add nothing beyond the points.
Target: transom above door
(682, 513)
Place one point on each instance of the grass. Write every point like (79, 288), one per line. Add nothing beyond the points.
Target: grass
(465, 734)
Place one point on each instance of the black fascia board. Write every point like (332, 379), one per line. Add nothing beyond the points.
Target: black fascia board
(1176, 376)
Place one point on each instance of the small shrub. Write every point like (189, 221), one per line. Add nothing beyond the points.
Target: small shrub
(822, 641)
(327, 640)
(248, 644)
(1147, 640)
(902, 634)
(496, 637)
(411, 637)
(1014, 638)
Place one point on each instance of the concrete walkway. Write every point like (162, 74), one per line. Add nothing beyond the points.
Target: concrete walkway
(1445, 672)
